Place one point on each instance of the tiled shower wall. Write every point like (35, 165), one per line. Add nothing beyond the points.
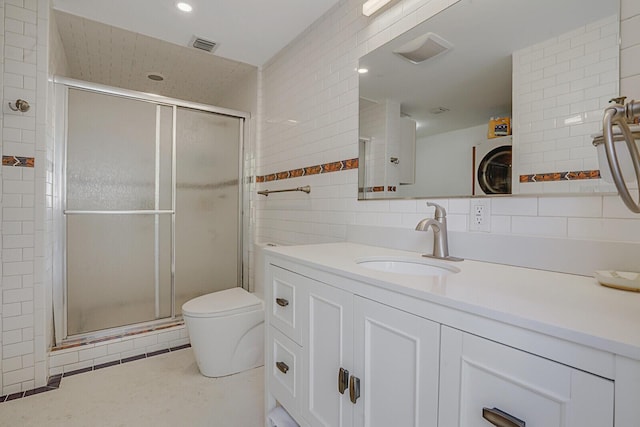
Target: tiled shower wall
(313, 81)
(25, 214)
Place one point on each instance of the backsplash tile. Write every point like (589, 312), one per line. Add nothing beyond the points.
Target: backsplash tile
(585, 207)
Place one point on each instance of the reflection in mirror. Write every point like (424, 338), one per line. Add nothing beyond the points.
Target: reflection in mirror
(428, 97)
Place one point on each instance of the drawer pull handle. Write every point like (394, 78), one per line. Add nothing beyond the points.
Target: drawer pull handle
(282, 302)
(283, 367)
(500, 418)
(343, 380)
(354, 389)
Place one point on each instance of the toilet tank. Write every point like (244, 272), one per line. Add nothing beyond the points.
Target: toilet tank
(258, 268)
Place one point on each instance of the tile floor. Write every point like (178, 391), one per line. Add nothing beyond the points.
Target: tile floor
(164, 390)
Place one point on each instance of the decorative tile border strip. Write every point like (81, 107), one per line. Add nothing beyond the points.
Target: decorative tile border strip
(379, 189)
(90, 340)
(310, 170)
(25, 162)
(55, 380)
(560, 176)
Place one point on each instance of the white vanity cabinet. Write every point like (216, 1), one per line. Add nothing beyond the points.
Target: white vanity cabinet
(368, 350)
(481, 377)
(363, 362)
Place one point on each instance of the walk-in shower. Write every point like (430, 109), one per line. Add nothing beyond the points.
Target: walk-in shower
(148, 206)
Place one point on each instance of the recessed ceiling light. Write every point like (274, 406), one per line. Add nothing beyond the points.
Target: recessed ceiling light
(185, 7)
(363, 70)
(156, 77)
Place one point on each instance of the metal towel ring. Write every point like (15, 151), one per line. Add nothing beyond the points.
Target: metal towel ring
(618, 115)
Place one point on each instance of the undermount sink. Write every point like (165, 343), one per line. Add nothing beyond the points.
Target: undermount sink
(411, 266)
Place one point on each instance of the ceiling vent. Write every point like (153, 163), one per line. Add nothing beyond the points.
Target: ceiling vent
(424, 47)
(203, 44)
(439, 110)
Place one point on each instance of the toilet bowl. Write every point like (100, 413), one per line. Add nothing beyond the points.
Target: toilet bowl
(226, 330)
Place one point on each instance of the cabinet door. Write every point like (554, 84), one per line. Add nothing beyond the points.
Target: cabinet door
(282, 368)
(476, 373)
(396, 358)
(285, 291)
(327, 346)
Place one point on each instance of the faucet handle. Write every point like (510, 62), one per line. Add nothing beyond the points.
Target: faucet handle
(440, 211)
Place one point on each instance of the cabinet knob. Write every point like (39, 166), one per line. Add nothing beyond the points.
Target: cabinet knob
(343, 380)
(500, 418)
(283, 367)
(282, 302)
(354, 389)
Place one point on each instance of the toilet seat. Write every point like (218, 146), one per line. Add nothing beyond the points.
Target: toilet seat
(222, 303)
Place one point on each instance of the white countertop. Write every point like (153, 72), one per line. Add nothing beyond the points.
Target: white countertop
(571, 307)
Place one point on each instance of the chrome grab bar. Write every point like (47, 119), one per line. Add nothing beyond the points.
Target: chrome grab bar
(618, 115)
(306, 189)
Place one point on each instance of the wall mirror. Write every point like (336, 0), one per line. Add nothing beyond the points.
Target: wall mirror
(428, 96)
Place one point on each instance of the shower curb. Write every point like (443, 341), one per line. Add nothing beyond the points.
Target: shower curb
(55, 380)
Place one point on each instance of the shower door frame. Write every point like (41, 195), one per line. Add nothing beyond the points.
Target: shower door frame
(61, 88)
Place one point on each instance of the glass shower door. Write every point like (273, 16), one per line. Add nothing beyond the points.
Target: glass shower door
(207, 222)
(118, 211)
(152, 209)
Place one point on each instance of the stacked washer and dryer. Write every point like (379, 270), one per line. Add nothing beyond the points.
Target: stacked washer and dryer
(492, 166)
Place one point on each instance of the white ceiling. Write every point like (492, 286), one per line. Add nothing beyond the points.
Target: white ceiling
(250, 31)
(108, 55)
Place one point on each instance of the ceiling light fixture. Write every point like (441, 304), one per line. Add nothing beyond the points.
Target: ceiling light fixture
(372, 6)
(185, 7)
(156, 77)
(363, 70)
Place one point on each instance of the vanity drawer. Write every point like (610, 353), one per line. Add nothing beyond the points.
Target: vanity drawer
(482, 380)
(286, 294)
(283, 364)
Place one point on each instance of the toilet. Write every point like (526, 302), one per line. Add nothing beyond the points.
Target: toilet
(226, 328)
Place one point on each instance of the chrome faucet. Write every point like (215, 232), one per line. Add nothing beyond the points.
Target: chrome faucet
(439, 226)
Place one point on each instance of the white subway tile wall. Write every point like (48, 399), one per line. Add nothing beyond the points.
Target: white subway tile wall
(629, 49)
(314, 81)
(23, 349)
(560, 87)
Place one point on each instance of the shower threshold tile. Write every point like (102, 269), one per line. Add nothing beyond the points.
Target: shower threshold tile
(132, 358)
(37, 391)
(180, 347)
(15, 396)
(155, 353)
(54, 381)
(78, 371)
(106, 365)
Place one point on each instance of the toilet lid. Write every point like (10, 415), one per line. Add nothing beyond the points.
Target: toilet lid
(229, 301)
